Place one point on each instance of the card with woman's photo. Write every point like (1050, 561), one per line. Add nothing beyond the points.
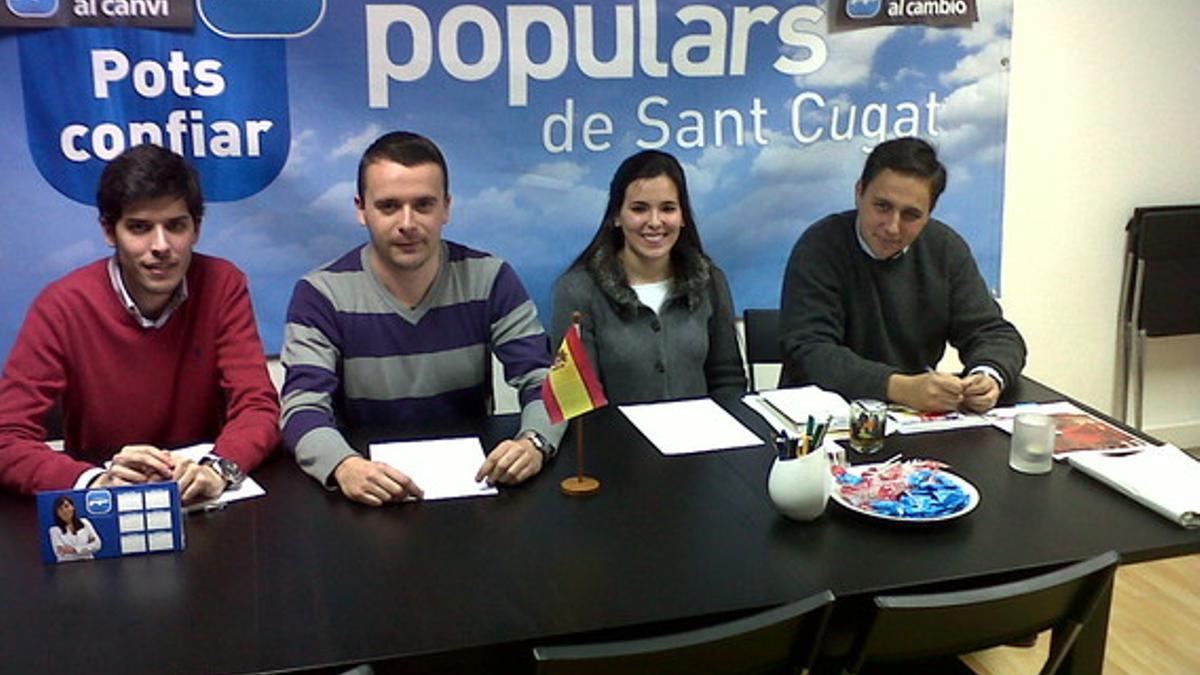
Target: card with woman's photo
(109, 522)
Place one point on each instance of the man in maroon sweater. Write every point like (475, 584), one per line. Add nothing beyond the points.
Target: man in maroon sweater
(151, 349)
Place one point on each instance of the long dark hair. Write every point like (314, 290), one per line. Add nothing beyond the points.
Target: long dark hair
(643, 165)
(76, 524)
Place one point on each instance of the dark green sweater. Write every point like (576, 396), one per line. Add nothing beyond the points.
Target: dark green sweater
(848, 321)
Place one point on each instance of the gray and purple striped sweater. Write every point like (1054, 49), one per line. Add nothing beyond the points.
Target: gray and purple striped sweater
(356, 358)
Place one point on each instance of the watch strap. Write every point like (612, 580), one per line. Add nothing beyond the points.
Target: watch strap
(539, 443)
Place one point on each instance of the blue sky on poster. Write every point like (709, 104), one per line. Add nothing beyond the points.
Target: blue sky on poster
(537, 208)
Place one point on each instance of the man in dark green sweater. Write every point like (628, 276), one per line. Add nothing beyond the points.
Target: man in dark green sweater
(872, 296)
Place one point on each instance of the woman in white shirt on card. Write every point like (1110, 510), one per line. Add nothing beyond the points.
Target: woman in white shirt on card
(72, 537)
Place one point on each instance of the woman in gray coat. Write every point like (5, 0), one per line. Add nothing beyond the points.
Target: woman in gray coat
(657, 313)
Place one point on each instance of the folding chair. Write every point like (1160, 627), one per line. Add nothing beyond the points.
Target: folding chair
(783, 639)
(1160, 287)
(913, 627)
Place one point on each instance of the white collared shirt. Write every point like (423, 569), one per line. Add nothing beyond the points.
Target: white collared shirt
(118, 283)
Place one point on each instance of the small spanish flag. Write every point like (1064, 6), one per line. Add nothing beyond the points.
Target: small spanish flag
(571, 387)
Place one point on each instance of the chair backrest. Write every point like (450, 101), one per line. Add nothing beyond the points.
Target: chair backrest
(762, 339)
(1166, 245)
(907, 627)
(777, 640)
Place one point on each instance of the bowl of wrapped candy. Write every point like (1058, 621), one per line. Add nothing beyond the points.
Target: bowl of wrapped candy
(908, 491)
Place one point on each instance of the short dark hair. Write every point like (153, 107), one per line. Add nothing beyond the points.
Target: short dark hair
(909, 156)
(403, 147)
(643, 165)
(147, 172)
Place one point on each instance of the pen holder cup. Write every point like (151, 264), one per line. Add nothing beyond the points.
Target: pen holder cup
(799, 488)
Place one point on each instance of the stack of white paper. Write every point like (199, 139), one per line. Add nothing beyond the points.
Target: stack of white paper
(799, 402)
(1163, 478)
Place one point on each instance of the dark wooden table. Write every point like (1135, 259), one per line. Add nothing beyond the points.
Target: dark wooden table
(302, 578)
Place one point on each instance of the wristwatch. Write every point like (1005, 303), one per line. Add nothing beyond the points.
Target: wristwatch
(227, 469)
(539, 443)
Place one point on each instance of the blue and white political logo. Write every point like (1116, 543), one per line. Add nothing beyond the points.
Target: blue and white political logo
(98, 502)
(33, 9)
(277, 19)
(863, 9)
(222, 104)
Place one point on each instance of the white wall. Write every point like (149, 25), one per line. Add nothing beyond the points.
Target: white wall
(1102, 117)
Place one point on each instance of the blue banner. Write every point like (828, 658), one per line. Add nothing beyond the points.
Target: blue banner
(771, 111)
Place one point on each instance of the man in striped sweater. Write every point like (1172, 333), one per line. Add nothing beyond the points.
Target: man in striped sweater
(400, 331)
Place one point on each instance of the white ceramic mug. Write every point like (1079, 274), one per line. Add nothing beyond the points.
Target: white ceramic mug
(800, 487)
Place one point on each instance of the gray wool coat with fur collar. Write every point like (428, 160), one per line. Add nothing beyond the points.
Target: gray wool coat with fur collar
(689, 349)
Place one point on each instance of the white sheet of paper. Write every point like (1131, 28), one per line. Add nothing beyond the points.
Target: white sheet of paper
(695, 425)
(248, 489)
(443, 468)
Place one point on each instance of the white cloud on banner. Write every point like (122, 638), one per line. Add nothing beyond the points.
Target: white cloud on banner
(787, 187)
(705, 173)
(304, 144)
(553, 175)
(782, 161)
(492, 201)
(337, 201)
(972, 115)
(995, 20)
(271, 255)
(851, 55)
(907, 73)
(355, 144)
(969, 117)
(978, 65)
(548, 199)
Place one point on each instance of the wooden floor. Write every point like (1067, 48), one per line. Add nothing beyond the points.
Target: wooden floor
(1154, 626)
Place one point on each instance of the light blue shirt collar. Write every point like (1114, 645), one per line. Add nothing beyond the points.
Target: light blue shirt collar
(867, 248)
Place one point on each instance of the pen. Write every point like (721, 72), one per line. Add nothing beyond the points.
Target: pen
(822, 430)
(205, 508)
(781, 446)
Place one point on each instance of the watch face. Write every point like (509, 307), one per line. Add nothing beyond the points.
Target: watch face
(228, 470)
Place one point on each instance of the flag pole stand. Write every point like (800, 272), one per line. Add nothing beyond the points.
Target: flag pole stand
(579, 485)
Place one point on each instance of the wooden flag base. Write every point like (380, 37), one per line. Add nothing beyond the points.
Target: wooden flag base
(579, 486)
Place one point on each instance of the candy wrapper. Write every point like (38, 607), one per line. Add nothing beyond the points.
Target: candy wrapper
(916, 489)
